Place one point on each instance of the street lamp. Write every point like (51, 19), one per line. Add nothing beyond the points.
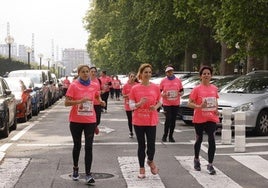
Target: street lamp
(64, 71)
(48, 63)
(9, 40)
(194, 56)
(29, 50)
(40, 57)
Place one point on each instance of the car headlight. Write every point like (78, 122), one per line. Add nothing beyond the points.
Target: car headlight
(244, 107)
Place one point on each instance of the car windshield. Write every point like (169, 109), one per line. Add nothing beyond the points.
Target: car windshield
(14, 86)
(248, 84)
(35, 77)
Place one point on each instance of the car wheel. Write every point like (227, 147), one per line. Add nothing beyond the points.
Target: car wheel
(262, 123)
(14, 126)
(5, 131)
(25, 118)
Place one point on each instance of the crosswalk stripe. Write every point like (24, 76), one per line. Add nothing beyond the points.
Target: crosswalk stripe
(130, 170)
(11, 170)
(220, 180)
(259, 165)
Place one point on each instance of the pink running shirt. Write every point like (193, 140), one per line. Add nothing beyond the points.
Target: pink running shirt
(97, 84)
(210, 95)
(125, 91)
(142, 116)
(172, 88)
(105, 80)
(82, 113)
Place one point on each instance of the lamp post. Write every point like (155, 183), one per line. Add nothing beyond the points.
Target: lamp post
(64, 71)
(29, 50)
(194, 56)
(48, 63)
(40, 57)
(9, 40)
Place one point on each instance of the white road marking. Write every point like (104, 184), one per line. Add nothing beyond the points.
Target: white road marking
(130, 170)
(113, 119)
(101, 144)
(21, 133)
(255, 163)
(5, 146)
(220, 180)
(11, 170)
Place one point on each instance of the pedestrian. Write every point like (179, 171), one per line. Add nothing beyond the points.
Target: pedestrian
(125, 93)
(203, 99)
(144, 99)
(66, 84)
(171, 90)
(112, 88)
(98, 103)
(106, 83)
(80, 96)
(116, 84)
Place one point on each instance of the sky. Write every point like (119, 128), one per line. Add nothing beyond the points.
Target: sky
(59, 21)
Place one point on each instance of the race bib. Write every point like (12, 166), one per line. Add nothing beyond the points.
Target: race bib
(85, 109)
(172, 95)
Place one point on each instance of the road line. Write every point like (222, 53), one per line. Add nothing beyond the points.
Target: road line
(21, 133)
(257, 144)
(11, 170)
(255, 163)
(220, 180)
(130, 169)
(101, 144)
(5, 146)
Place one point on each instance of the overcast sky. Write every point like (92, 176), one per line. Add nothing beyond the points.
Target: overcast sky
(57, 20)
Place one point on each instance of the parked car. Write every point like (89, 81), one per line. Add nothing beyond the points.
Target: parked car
(8, 120)
(39, 78)
(35, 94)
(185, 113)
(23, 98)
(249, 94)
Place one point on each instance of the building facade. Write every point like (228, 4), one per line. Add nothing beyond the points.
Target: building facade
(71, 58)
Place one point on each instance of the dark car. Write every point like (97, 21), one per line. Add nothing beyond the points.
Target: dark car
(8, 120)
(23, 98)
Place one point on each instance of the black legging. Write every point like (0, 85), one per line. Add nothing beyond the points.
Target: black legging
(105, 97)
(117, 93)
(209, 128)
(97, 109)
(129, 119)
(76, 131)
(150, 133)
(171, 113)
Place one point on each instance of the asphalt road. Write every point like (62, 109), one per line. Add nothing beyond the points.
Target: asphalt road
(38, 155)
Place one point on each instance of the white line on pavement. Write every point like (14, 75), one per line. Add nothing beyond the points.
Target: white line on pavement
(130, 170)
(220, 180)
(259, 165)
(17, 136)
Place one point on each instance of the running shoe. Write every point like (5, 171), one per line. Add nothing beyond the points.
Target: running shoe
(130, 135)
(97, 130)
(197, 166)
(75, 175)
(211, 170)
(171, 139)
(89, 179)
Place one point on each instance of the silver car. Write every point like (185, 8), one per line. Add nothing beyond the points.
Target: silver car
(248, 93)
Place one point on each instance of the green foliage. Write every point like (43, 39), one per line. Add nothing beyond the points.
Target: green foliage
(123, 34)
(6, 65)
